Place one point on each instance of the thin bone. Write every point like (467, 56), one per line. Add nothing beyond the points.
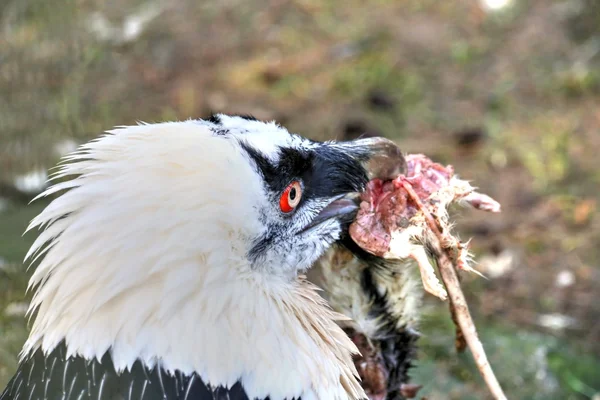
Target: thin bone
(430, 280)
(458, 303)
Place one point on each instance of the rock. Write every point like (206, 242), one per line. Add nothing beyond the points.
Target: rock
(565, 279)
(557, 322)
(16, 309)
(32, 182)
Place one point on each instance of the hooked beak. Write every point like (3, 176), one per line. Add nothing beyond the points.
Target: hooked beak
(335, 209)
(383, 158)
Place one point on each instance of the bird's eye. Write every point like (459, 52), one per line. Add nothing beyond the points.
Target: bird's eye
(290, 198)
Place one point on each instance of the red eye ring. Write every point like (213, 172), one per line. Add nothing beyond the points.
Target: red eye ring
(290, 198)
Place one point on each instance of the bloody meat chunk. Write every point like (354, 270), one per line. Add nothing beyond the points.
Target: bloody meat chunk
(390, 222)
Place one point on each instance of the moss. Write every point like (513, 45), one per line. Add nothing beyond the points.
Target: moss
(528, 365)
(579, 82)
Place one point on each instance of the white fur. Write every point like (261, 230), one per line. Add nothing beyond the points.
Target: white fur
(145, 255)
(339, 272)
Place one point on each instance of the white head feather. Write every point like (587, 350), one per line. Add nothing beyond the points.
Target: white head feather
(145, 256)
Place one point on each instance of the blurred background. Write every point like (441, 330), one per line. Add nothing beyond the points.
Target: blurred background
(506, 91)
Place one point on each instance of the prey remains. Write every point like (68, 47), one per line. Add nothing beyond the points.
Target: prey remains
(405, 217)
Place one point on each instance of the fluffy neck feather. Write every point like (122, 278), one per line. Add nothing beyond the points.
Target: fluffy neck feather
(144, 256)
(279, 340)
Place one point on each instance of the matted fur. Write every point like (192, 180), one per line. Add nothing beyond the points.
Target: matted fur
(339, 273)
(145, 256)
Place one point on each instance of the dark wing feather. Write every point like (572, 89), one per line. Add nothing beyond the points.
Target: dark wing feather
(397, 347)
(56, 377)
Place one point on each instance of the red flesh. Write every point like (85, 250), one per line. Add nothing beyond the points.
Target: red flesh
(386, 207)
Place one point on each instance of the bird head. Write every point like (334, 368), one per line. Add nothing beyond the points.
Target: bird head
(170, 240)
(308, 189)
